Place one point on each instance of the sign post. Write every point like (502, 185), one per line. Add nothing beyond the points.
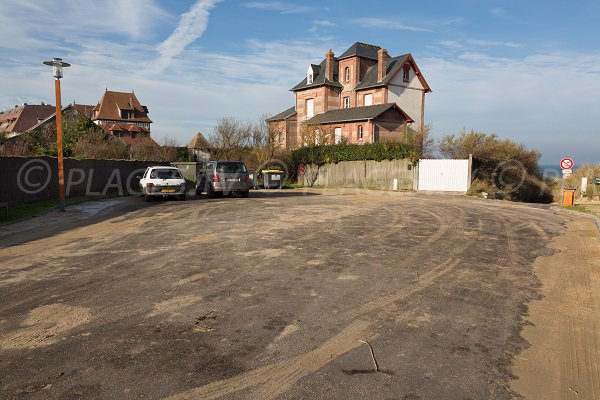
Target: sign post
(567, 166)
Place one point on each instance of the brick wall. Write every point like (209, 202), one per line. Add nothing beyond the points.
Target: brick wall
(32, 179)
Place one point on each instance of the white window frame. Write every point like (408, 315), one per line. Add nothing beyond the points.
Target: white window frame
(370, 97)
(310, 108)
(338, 135)
(346, 102)
(360, 133)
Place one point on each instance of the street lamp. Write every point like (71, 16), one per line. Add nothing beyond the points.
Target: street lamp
(57, 65)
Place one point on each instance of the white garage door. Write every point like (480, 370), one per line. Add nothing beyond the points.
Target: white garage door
(444, 175)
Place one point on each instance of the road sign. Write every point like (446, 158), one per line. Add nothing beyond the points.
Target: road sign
(566, 163)
(567, 172)
(597, 180)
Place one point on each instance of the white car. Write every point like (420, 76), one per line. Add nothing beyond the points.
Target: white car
(162, 181)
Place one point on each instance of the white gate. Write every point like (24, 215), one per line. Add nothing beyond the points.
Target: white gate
(444, 175)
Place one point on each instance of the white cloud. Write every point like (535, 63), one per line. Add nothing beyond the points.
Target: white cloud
(382, 23)
(324, 23)
(191, 26)
(542, 100)
(72, 21)
(283, 8)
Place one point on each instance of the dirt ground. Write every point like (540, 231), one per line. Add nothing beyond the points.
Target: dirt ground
(563, 360)
(297, 295)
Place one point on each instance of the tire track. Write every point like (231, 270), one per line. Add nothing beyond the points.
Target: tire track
(279, 377)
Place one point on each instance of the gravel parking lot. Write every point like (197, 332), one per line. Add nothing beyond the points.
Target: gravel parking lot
(288, 294)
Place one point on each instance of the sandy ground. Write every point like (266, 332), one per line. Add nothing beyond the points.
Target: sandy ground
(563, 361)
(296, 295)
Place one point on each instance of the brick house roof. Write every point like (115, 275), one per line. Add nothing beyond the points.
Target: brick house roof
(290, 112)
(22, 118)
(124, 128)
(356, 114)
(363, 50)
(145, 141)
(112, 102)
(394, 65)
(319, 78)
(84, 109)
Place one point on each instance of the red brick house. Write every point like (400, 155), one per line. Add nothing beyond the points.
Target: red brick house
(362, 96)
(122, 115)
(19, 119)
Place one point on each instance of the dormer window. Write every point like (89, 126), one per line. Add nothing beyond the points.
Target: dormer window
(309, 75)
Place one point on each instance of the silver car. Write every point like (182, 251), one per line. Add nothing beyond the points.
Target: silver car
(223, 177)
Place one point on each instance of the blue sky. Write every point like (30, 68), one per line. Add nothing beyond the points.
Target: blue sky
(525, 70)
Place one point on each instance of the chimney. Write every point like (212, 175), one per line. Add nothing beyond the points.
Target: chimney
(329, 65)
(382, 60)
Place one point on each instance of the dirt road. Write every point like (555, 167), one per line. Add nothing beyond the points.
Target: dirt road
(563, 361)
(289, 295)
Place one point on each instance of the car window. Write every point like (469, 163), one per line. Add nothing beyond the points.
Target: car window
(231, 167)
(165, 173)
(146, 172)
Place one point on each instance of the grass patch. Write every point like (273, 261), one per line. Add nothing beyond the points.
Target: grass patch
(289, 185)
(30, 210)
(578, 207)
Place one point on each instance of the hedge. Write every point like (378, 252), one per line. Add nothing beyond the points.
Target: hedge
(333, 154)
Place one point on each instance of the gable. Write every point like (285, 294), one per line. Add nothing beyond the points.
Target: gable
(111, 104)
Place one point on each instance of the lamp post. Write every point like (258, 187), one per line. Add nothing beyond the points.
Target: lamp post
(57, 65)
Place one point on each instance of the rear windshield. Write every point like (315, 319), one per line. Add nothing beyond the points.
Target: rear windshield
(231, 167)
(165, 173)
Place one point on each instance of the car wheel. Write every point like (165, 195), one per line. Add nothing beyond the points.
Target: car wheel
(245, 193)
(210, 192)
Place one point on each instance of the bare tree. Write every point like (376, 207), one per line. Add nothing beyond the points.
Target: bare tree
(230, 137)
(266, 141)
(421, 141)
(316, 135)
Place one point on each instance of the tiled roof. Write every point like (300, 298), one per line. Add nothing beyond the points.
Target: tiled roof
(84, 109)
(124, 128)
(355, 114)
(394, 65)
(370, 79)
(290, 112)
(22, 118)
(363, 50)
(319, 78)
(199, 142)
(110, 104)
(144, 141)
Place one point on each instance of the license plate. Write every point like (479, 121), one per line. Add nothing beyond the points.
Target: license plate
(276, 177)
(168, 191)
(233, 180)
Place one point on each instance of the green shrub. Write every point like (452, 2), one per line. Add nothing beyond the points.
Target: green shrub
(335, 153)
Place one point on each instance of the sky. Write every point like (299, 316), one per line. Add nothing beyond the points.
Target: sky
(528, 71)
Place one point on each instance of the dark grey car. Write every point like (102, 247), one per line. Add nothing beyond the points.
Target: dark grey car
(223, 177)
